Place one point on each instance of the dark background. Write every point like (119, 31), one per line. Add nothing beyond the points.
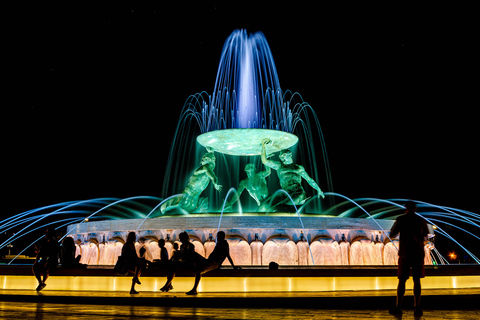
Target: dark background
(94, 93)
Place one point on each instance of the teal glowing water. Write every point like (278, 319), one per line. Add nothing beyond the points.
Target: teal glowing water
(34, 222)
(247, 94)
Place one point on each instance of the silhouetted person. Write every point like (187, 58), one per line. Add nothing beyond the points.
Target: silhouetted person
(67, 254)
(46, 259)
(163, 251)
(214, 261)
(184, 258)
(163, 261)
(413, 232)
(175, 253)
(134, 263)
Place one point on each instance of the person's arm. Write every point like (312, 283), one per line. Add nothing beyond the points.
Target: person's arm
(395, 230)
(37, 256)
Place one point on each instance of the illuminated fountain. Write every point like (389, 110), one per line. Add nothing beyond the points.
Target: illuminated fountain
(240, 135)
(247, 120)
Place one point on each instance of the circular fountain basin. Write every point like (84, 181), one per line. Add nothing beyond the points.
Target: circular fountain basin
(247, 142)
(253, 239)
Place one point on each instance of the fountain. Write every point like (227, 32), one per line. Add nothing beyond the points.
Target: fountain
(250, 124)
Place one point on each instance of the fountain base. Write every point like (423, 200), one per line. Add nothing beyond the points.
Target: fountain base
(254, 239)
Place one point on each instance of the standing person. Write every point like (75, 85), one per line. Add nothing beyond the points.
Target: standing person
(134, 263)
(46, 259)
(413, 232)
(214, 261)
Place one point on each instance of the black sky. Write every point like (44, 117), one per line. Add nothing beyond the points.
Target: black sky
(93, 94)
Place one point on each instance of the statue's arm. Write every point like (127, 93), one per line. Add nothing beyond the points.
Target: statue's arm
(267, 172)
(311, 182)
(214, 179)
(268, 163)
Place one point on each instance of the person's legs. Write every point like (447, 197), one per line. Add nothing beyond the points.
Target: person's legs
(37, 273)
(418, 272)
(46, 273)
(132, 288)
(45, 276)
(38, 270)
(400, 292)
(168, 284)
(417, 293)
(198, 276)
(138, 270)
(208, 266)
(397, 310)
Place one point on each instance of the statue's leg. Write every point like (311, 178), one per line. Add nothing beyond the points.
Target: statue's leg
(202, 205)
(189, 202)
(270, 204)
(171, 204)
(298, 196)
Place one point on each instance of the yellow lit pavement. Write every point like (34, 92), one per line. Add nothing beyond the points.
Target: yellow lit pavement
(51, 304)
(59, 311)
(451, 299)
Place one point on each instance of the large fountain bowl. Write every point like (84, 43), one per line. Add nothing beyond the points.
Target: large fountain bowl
(246, 142)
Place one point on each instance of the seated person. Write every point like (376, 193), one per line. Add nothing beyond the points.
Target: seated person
(214, 261)
(67, 255)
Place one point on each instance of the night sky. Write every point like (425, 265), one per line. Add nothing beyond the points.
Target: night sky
(93, 94)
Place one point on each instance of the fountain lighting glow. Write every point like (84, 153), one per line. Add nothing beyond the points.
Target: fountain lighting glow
(238, 284)
(25, 223)
(247, 105)
(301, 222)
(362, 204)
(359, 206)
(156, 207)
(64, 222)
(247, 95)
(40, 217)
(108, 206)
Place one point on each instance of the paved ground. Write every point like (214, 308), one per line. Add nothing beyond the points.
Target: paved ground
(50, 311)
(28, 304)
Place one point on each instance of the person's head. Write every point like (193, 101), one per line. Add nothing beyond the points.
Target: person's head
(273, 265)
(410, 207)
(161, 243)
(183, 236)
(220, 236)
(131, 237)
(250, 170)
(175, 246)
(68, 242)
(286, 156)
